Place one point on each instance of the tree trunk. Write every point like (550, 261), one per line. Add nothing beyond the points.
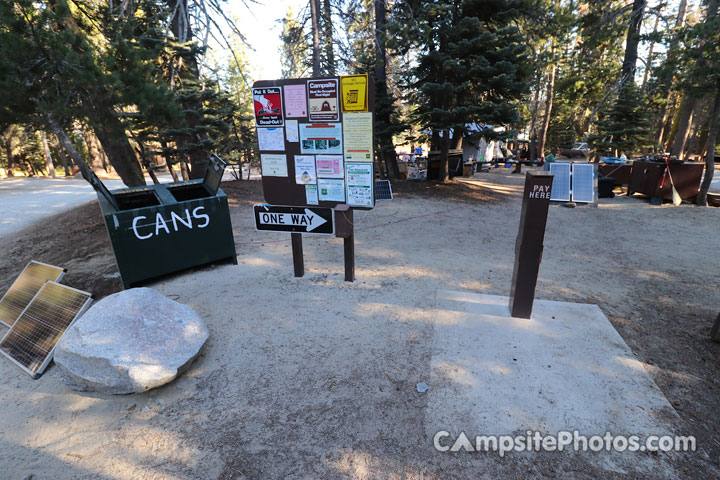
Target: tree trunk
(710, 154)
(684, 123)
(533, 122)
(10, 157)
(456, 140)
(199, 156)
(96, 158)
(632, 41)
(648, 62)
(671, 54)
(383, 103)
(328, 38)
(549, 96)
(65, 141)
(184, 171)
(114, 141)
(445, 147)
(63, 159)
(314, 10)
(48, 157)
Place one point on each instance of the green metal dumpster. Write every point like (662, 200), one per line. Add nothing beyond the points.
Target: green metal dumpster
(166, 228)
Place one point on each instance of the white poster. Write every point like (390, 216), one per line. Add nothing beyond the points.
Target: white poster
(272, 139)
(273, 165)
(311, 194)
(305, 169)
(291, 131)
(358, 137)
(359, 179)
(321, 138)
(332, 190)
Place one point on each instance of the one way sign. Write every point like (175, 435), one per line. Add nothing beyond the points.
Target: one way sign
(274, 218)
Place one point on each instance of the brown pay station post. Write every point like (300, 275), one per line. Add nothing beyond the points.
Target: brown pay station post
(316, 142)
(529, 243)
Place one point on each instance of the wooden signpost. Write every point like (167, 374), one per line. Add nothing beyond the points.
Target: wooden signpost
(529, 243)
(316, 141)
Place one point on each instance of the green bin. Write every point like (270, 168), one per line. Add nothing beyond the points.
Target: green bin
(160, 229)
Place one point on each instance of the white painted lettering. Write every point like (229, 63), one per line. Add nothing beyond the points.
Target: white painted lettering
(185, 221)
(198, 216)
(160, 223)
(134, 227)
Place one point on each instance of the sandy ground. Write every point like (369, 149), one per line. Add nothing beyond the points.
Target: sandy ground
(315, 377)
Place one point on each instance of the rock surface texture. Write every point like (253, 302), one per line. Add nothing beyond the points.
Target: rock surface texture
(130, 342)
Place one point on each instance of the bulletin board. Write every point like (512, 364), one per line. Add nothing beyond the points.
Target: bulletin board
(316, 140)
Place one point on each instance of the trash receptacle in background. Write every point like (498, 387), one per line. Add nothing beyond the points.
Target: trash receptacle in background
(166, 228)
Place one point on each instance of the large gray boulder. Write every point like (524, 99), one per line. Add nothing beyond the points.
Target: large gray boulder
(130, 342)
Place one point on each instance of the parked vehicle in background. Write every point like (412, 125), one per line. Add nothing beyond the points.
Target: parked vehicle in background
(582, 146)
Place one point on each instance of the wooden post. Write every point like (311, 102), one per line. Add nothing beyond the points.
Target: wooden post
(297, 252)
(344, 229)
(529, 243)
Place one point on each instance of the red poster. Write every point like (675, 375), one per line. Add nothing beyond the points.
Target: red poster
(268, 106)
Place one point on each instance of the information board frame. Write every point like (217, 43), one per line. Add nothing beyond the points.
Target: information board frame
(284, 190)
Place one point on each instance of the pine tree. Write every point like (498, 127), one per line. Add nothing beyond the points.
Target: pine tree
(623, 128)
(470, 67)
(296, 62)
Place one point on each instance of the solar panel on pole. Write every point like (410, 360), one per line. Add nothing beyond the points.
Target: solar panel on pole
(24, 288)
(560, 191)
(583, 182)
(31, 341)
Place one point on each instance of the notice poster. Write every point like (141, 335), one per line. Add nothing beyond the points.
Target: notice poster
(329, 166)
(323, 100)
(295, 101)
(271, 139)
(305, 169)
(359, 179)
(268, 106)
(357, 137)
(321, 138)
(353, 90)
(311, 194)
(331, 190)
(291, 131)
(273, 165)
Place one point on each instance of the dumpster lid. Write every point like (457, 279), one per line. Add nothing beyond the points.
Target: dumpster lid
(214, 174)
(97, 184)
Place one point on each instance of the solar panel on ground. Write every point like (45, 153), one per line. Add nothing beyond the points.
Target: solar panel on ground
(583, 182)
(24, 288)
(561, 182)
(31, 340)
(383, 190)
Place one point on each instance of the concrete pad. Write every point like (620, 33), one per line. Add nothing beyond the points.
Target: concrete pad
(565, 369)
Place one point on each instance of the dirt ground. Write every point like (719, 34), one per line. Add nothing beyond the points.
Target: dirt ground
(315, 377)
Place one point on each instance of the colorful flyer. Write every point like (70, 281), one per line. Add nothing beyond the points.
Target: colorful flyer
(268, 106)
(354, 92)
(273, 165)
(311, 194)
(321, 138)
(331, 190)
(329, 166)
(322, 100)
(291, 131)
(359, 179)
(305, 169)
(295, 101)
(272, 139)
(358, 137)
